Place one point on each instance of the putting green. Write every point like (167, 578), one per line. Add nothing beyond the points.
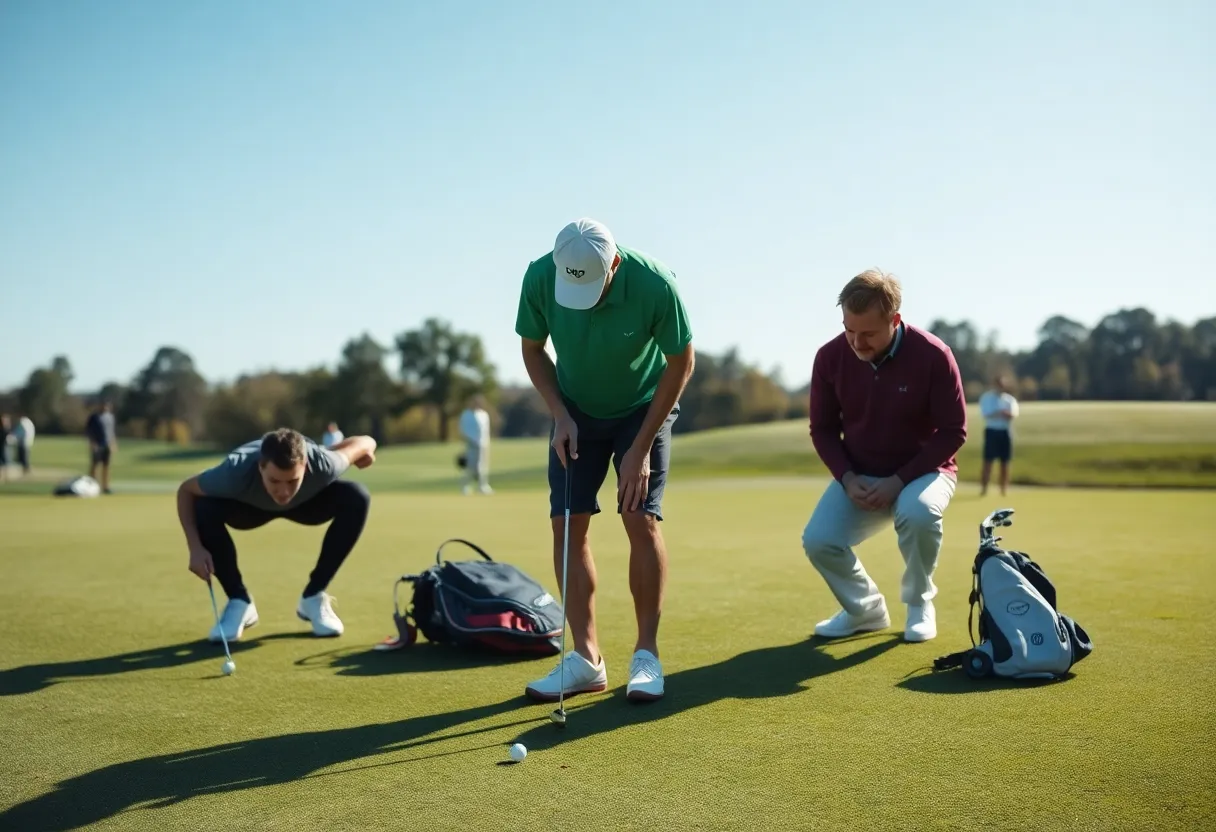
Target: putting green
(117, 714)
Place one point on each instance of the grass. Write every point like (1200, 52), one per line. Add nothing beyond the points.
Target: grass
(118, 717)
(1077, 444)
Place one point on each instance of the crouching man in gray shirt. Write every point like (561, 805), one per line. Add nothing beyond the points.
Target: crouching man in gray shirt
(282, 475)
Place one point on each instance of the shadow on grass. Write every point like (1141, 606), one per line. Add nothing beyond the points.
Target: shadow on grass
(422, 657)
(757, 674)
(956, 681)
(35, 677)
(165, 780)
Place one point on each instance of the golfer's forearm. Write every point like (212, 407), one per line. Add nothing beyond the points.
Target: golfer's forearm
(356, 447)
(185, 514)
(544, 378)
(667, 393)
(943, 445)
(832, 453)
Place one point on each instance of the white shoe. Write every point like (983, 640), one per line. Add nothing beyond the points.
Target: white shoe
(581, 677)
(237, 616)
(843, 624)
(922, 622)
(317, 610)
(645, 677)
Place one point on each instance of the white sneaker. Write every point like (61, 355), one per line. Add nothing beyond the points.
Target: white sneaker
(922, 622)
(317, 610)
(843, 624)
(645, 677)
(237, 615)
(581, 677)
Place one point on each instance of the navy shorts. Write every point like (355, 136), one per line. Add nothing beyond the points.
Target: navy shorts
(604, 441)
(997, 445)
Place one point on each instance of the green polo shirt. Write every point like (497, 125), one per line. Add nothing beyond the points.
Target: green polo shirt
(609, 358)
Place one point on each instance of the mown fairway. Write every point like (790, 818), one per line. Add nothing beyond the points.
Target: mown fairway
(117, 714)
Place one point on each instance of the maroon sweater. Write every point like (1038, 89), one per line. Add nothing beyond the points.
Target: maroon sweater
(907, 417)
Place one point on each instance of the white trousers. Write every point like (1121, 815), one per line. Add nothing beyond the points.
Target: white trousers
(478, 463)
(837, 525)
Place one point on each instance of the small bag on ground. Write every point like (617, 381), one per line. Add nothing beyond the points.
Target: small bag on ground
(484, 604)
(1022, 633)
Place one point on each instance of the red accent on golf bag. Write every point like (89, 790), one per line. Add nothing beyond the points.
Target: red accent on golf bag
(482, 604)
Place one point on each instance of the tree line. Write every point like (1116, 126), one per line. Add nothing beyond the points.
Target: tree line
(413, 389)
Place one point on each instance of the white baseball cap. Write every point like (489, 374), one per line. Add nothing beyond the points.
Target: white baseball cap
(583, 254)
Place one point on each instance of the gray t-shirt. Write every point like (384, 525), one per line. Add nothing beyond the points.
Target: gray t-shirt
(238, 477)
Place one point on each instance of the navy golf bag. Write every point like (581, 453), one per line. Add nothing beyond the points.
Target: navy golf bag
(1022, 634)
(482, 604)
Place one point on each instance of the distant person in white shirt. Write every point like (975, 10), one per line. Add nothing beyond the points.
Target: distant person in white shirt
(475, 428)
(332, 435)
(23, 434)
(999, 408)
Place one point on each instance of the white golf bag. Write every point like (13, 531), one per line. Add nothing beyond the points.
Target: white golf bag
(1022, 634)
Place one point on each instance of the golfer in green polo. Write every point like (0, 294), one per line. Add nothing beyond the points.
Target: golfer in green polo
(624, 353)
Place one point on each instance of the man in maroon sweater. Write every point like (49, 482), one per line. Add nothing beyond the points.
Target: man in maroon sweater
(887, 418)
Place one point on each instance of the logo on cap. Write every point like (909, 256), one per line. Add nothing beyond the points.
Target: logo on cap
(576, 273)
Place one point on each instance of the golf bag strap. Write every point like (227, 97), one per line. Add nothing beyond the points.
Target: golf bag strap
(472, 546)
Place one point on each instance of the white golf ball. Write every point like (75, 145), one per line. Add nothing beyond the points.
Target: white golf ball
(228, 667)
(518, 752)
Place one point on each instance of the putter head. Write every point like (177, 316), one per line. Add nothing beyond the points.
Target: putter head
(558, 717)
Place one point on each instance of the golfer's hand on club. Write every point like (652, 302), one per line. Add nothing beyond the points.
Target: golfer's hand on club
(883, 493)
(200, 563)
(565, 438)
(634, 481)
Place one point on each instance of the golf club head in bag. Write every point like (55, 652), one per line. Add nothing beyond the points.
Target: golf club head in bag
(998, 519)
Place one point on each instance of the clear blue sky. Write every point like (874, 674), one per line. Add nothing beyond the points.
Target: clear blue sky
(296, 173)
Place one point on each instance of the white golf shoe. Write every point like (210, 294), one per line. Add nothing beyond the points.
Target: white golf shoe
(318, 611)
(843, 624)
(236, 617)
(922, 622)
(645, 677)
(581, 677)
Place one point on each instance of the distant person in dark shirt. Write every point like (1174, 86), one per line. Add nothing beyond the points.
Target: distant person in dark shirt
(102, 442)
(887, 418)
(6, 427)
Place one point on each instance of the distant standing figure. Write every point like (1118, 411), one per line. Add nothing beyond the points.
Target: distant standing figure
(24, 434)
(103, 441)
(6, 425)
(999, 408)
(332, 435)
(475, 428)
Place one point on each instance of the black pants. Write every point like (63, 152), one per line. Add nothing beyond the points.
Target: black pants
(344, 502)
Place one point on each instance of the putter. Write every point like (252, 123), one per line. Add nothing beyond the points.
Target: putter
(216, 610)
(559, 716)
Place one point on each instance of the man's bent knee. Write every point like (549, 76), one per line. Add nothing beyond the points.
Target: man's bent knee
(918, 517)
(353, 494)
(819, 545)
